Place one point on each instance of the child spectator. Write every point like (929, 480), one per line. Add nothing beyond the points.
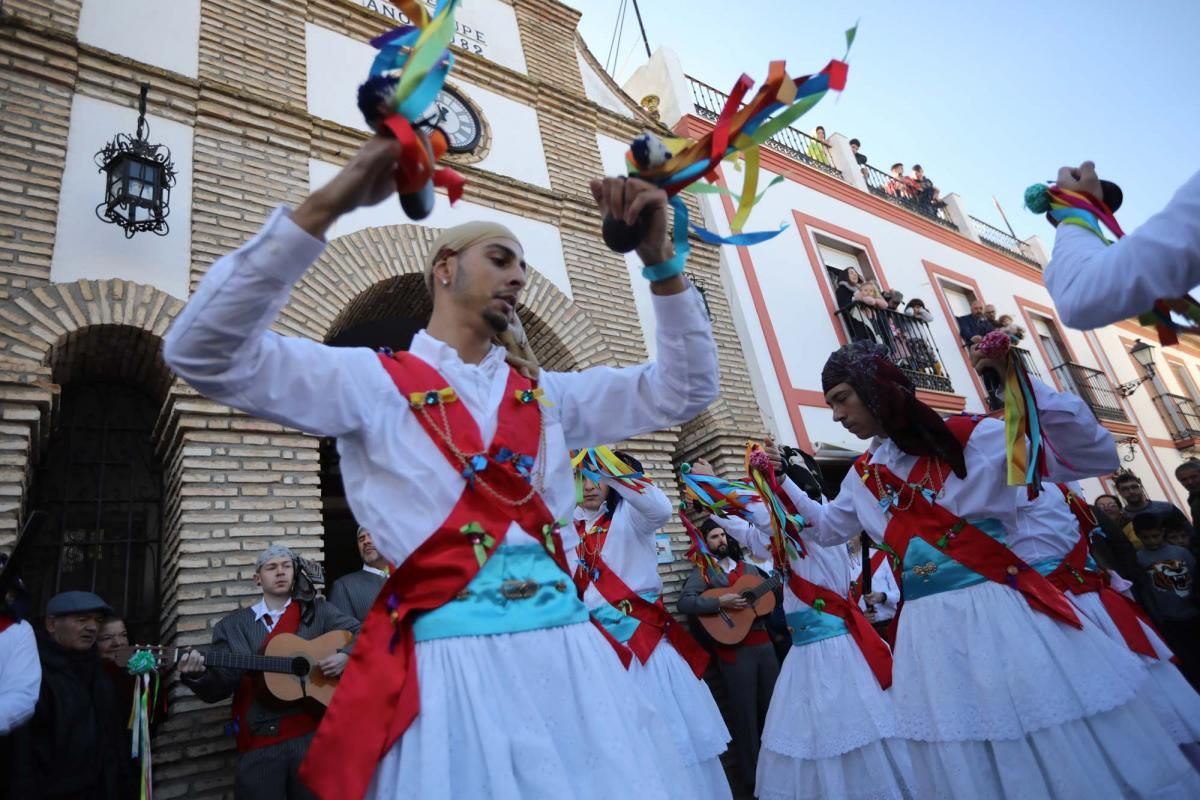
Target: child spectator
(1175, 529)
(1172, 571)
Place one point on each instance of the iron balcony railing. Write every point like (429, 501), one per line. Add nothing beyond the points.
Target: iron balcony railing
(1091, 385)
(1181, 416)
(1028, 362)
(792, 143)
(908, 340)
(905, 193)
(1005, 242)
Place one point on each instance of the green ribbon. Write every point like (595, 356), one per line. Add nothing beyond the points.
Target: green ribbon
(548, 537)
(143, 662)
(480, 539)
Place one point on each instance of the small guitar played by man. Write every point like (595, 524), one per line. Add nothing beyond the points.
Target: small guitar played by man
(272, 736)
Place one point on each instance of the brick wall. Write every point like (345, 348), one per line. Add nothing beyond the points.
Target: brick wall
(232, 484)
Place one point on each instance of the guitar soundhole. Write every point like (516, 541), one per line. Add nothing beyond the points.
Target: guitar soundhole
(300, 666)
(749, 597)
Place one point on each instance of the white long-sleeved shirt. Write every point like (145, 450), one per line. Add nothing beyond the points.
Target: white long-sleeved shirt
(629, 548)
(1093, 285)
(20, 676)
(398, 483)
(882, 580)
(1085, 448)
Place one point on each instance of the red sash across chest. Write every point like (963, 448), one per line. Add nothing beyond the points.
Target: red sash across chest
(291, 726)
(915, 516)
(378, 696)
(655, 622)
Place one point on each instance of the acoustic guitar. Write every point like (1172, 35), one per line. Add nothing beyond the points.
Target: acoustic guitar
(730, 625)
(288, 665)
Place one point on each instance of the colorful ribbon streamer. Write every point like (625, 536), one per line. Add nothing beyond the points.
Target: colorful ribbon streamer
(410, 69)
(1079, 208)
(698, 553)
(674, 164)
(142, 665)
(717, 495)
(1024, 440)
(599, 462)
(786, 543)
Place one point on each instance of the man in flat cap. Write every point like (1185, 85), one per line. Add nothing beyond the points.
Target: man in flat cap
(75, 745)
(272, 736)
(456, 456)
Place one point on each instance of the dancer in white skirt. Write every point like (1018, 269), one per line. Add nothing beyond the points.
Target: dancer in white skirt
(1052, 528)
(831, 730)
(1000, 688)
(478, 673)
(617, 569)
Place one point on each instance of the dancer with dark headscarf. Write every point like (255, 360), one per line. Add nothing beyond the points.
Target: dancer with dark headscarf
(999, 686)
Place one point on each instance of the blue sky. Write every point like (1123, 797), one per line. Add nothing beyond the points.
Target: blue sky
(989, 96)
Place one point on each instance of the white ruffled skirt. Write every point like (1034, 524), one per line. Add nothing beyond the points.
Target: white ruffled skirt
(829, 731)
(1000, 701)
(687, 708)
(550, 713)
(1167, 692)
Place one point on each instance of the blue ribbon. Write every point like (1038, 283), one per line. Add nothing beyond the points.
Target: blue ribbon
(478, 463)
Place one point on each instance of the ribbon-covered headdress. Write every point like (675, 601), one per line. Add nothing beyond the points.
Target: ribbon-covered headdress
(890, 396)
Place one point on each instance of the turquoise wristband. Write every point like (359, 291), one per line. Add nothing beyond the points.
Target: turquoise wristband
(668, 269)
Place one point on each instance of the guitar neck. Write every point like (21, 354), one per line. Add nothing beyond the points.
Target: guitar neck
(767, 585)
(248, 663)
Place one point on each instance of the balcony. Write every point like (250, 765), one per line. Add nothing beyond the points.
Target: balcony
(1091, 385)
(908, 340)
(905, 194)
(1006, 243)
(1181, 416)
(1028, 362)
(790, 142)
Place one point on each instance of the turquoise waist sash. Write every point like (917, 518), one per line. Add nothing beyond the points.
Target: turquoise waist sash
(621, 626)
(928, 571)
(809, 625)
(520, 588)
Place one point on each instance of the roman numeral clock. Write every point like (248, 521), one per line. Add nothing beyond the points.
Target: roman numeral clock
(458, 119)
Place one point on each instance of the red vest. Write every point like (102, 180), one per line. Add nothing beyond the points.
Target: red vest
(250, 687)
(378, 697)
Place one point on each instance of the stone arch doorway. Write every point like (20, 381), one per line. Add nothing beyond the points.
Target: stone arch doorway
(96, 495)
(368, 290)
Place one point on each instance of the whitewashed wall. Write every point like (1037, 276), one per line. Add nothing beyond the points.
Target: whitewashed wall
(164, 33)
(85, 247)
(541, 241)
(337, 64)
(485, 28)
(598, 91)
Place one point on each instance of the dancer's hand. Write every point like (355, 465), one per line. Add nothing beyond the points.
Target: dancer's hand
(366, 180)
(627, 199)
(701, 467)
(773, 455)
(1081, 179)
(980, 363)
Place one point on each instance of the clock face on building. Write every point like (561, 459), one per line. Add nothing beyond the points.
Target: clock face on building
(457, 119)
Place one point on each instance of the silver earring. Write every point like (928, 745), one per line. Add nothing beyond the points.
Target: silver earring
(445, 282)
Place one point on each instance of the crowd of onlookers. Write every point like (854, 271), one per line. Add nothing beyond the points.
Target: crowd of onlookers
(1151, 544)
(882, 316)
(915, 189)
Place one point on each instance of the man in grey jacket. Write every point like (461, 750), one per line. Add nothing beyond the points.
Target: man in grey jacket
(354, 593)
(272, 736)
(749, 668)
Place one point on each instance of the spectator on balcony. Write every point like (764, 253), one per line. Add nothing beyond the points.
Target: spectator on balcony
(861, 158)
(916, 308)
(898, 186)
(1010, 327)
(924, 192)
(894, 298)
(858, 324)
(1188, 475)
(974, 326)
(868, 302)
(818, 147)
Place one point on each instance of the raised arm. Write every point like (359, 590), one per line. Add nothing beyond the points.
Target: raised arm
(604, 404)
(221, 343)
(829, 523)
(650, 508)
(1095, 285)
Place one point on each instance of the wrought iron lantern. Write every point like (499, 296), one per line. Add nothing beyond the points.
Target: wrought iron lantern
(1143, 354)
(139, 176)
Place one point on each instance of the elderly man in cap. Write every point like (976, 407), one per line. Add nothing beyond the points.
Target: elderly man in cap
(75, 745)
(459, 465)
(272, 737)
